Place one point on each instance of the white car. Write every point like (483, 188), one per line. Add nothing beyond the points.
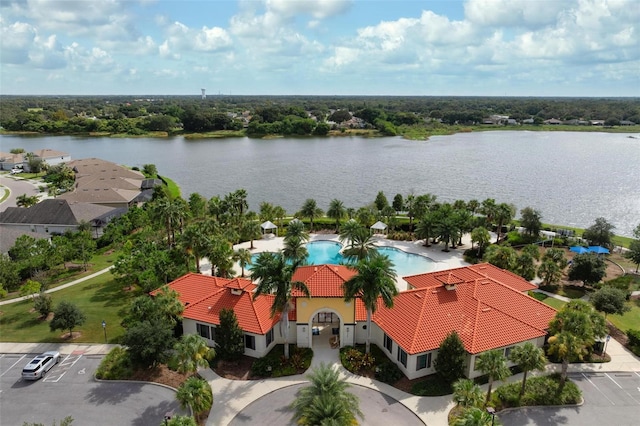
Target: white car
(40, 365)
(16, 171)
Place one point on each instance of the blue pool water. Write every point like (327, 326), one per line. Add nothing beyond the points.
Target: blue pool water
(321, 252)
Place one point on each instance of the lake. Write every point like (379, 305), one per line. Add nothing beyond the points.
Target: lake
(571, 177)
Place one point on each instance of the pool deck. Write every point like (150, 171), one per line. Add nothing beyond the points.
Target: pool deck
(442, 260)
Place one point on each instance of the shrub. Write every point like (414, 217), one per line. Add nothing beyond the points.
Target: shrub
(356, 361)
(539, 391)
(388, 372)
(116, 365)
(400, 236)
(433, 386)
(42, 304)
(264, 367)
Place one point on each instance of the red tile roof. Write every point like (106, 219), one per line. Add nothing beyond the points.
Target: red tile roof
(481, 271)
(485, 313)
(205, 296)
(323, 280)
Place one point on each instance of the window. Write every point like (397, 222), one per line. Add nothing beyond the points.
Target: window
(388, 343)
(424, 361)
(269, 337)
(507, 351)
(249, 342)
(203, 330)
(402, 356)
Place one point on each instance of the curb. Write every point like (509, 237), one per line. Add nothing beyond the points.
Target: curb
(507, 410)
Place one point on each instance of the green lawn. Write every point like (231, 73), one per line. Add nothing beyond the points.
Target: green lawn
(100, 298)
(554, 303)
(630, 320)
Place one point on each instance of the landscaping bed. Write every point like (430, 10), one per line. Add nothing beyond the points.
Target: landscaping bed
(271, 365)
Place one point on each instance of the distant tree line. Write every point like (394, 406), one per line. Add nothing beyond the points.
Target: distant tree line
(289, 115)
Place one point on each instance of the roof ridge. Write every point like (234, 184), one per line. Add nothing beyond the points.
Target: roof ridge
(255, 312)
(213, 293)
(419, 321)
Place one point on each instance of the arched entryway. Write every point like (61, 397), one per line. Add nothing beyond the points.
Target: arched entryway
(326, 328)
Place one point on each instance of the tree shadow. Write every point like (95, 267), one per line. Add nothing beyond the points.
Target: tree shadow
(154, 415)
(112, 393)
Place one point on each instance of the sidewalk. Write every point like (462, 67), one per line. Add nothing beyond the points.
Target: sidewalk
(53, 290)
(64, 348)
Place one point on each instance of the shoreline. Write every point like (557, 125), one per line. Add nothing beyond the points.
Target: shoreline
(421, 133)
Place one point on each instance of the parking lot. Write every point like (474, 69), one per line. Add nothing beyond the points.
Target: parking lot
(69, 389)
(609, 398)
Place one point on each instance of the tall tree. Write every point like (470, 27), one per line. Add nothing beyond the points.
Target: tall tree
(229, 336)
(427, 227)
(362, 245)
(295, 249)
(27, 201)
(375, 279)
(531, 221)
(348, 231)
(502, 256)
(588, 268)
(481, 236)
(311, 210)
(381, 201)
(67, 316)
(610, 300)
(528, 357)
(600, 233)
(195, 393)
(336, 211)
(549, 272)
(273, 274)
(450, 363)
(494, 364)
(398, 203)
(326, 400)
(504, 214)
(191, 353)
(243, 257)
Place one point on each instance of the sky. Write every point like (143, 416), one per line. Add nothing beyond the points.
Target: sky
(321, 47)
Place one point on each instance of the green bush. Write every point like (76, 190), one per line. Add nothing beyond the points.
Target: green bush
(264, 367)
(356, 361)
(274, 364)
(541, 390)
(388, 372)
(115, 366)
(435, 385)
(400, 236)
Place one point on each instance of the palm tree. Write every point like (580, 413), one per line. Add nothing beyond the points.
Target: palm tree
(549, 272)
(466, 393)
(426, 228)
(375, 280)
(528, 357)
(326, 400)
(295, 241)
(194, 242)
(195, 393)
(336, 211)
(279, 213)
(192, 352)
(25, 200)
(311, 210)
(447, 231)
(348, 230)
(504, 213)
(565, 346)
(476, 417)
(481, 236)
(273, 274)
(362, 245)
(243, 257)
(494, 364)
(250, 229)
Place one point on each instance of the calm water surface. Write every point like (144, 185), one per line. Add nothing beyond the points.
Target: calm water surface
(571, 177)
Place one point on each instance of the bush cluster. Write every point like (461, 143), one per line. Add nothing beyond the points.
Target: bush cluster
(274, 364)
(356, 361)
(388, 372)
(400, 236)
(539, 391)
(115, 366)
(634, 341)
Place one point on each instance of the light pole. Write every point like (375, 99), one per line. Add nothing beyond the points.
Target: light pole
(492, 411)
(104, 327)
(605, 344)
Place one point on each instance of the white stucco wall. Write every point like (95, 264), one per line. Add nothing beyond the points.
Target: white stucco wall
(471, 359)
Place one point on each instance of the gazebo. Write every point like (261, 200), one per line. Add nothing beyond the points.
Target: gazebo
(268, 227)
(379, 228)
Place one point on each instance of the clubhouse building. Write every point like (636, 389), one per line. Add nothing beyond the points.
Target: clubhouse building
(488, 307)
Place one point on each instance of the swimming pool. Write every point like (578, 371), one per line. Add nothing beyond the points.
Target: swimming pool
(321, 252)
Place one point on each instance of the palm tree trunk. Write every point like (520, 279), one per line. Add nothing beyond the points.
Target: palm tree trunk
(284, 322)
(524, 382)
(367, 347)
(563, 374)
(489, 391)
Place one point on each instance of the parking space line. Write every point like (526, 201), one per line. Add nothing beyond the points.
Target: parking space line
(598, 389)
(625, 391)
(13, 365)
(65, 364)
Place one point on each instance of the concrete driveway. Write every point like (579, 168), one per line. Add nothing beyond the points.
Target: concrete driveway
(17, 187)
(378, 409)
(69, 389)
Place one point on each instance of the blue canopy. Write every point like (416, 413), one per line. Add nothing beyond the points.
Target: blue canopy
(579, 249)
(598, 250)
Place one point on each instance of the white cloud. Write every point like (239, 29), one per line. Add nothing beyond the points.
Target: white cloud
(514, 13)
(318, 9)
(15, 41)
